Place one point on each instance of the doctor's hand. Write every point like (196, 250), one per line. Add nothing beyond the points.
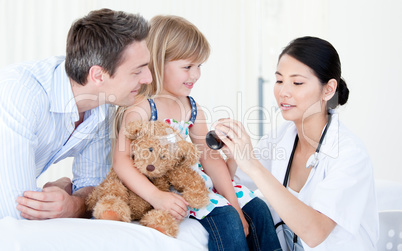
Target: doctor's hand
(237, 142)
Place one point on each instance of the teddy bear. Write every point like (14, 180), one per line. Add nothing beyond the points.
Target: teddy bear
(165, 158)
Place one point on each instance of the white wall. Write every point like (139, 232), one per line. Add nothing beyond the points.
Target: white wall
(246, 37)
(368, 35)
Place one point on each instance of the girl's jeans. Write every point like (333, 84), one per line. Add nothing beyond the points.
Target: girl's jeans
(226, 230)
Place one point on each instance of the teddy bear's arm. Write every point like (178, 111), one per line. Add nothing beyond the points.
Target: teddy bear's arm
(110, 197)
(190, 185)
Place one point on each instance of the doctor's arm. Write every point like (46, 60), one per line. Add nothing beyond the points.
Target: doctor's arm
(310, 225)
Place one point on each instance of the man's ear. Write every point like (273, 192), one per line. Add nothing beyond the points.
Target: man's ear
(96, 75)
(330, 89)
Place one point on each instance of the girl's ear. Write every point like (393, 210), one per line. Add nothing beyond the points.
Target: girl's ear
(330, 89)
(95, 75)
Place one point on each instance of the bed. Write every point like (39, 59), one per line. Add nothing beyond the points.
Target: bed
(90, 234)
(87, 234)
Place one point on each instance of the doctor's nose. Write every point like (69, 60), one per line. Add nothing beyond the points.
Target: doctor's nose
(284, 90)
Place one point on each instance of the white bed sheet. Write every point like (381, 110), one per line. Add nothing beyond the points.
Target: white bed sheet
(84, 234)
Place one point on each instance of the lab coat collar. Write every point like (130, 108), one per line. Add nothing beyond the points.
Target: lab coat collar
(330, 144)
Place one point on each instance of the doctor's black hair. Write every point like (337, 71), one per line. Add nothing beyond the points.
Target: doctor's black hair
(323, 59)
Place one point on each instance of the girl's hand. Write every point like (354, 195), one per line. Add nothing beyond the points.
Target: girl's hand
(245, 224)
(175, 204)
(237, 142)
(242, 218)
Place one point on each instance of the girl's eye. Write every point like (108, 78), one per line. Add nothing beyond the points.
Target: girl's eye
(279, 81)
(297, 83)
(187, 67)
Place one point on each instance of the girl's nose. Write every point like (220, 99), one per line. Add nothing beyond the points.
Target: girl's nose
(195, 73)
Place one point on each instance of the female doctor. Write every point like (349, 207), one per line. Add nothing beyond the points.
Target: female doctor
(322, 185)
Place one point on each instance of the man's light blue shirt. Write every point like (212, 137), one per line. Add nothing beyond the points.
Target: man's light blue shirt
(37, 119)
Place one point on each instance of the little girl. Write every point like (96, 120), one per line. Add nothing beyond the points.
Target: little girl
(235, 219)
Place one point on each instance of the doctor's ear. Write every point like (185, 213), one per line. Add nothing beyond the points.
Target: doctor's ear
(96, 75)
(330, 89)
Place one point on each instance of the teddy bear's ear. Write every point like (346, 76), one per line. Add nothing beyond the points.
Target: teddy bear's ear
(187, 153)
(135, 129)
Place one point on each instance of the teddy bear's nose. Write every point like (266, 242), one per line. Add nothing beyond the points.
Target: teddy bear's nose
(150, 168)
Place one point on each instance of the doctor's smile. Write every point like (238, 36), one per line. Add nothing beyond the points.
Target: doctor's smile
(286, 107)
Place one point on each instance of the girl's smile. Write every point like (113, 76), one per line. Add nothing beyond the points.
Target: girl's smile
(189, 85)
(180, 76)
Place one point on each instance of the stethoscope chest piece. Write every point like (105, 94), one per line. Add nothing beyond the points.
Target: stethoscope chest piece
(312, 161)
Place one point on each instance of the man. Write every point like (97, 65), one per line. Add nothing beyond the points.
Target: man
(63, 107)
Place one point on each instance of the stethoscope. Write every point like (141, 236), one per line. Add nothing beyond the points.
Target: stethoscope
(311, 162)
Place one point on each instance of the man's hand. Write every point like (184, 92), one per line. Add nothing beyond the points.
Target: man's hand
(53, 202)
(64, 183)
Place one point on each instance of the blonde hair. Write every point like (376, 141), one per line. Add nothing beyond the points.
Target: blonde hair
(118, 118)
(172, 38)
